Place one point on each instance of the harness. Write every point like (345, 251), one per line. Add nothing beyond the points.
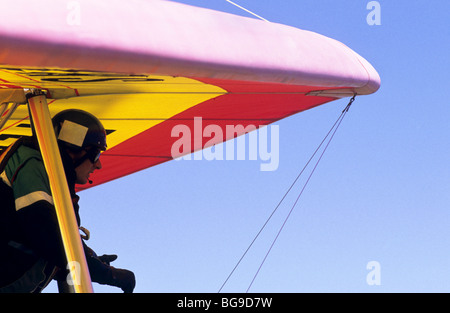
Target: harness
(4, 157)
(7, 206)
(10, 236)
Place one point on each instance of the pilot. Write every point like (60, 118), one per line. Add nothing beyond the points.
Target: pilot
(31, 248)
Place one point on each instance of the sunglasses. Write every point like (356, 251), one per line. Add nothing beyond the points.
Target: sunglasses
(93, 154)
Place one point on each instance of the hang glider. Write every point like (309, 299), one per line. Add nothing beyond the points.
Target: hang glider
(143, 67)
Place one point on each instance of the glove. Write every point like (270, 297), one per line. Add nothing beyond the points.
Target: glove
(103, 273)
(108, 258)
(124, 279)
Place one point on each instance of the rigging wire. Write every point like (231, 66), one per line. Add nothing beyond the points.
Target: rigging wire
(248, 11)
(333, 130)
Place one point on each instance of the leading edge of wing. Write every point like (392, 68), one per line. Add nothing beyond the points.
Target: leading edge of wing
(168, 38)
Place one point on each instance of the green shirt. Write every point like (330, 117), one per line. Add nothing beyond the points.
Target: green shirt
(25, 173)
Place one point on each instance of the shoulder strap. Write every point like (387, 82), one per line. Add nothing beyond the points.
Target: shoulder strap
(4, 157)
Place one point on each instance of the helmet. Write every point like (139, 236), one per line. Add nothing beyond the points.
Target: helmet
(77, 130)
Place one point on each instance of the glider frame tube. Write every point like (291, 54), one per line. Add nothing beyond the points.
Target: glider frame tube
(45, 134)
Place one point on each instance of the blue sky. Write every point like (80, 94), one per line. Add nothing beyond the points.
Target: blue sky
(381, 192)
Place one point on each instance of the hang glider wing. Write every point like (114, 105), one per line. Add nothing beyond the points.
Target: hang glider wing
(145, 67)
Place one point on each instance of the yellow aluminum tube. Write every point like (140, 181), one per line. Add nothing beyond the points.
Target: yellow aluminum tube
(60, 192)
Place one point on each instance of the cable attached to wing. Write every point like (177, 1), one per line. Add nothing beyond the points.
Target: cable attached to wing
(246, 10)
(332, 131)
